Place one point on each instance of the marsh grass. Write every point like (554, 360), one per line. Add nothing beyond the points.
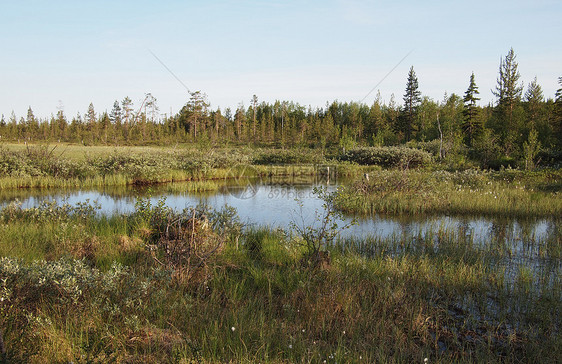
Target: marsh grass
(412, 192)
(84, 287)
(65, 166)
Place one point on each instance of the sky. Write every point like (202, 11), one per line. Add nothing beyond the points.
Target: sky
(67, 54)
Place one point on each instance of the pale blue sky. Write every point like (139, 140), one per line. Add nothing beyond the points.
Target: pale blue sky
(309, 52)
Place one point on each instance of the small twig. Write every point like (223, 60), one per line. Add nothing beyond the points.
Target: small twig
(51, 152)
(153, 254)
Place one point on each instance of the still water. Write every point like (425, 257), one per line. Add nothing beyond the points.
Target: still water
(280, 203)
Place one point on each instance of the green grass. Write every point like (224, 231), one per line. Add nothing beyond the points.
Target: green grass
(76, 286)
(416, 192)
(64, 166)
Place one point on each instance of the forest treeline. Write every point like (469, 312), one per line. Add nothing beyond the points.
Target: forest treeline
(519, 125)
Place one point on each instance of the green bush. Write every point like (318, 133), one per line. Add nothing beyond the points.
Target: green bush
(387, 157)
(292, 156)
(432, 146)
(503, 162)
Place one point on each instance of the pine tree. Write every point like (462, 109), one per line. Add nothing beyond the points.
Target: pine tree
(412, 100)
(31, 125)
(59, 130)
(152, 107)
(90, 115)
(91, 124)
(194, 112)
(472, 126)
(254, 109)
(239, 119)
(115, 115)
(127, 114)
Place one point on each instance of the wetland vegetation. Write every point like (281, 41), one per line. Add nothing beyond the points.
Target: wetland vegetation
(161, 285)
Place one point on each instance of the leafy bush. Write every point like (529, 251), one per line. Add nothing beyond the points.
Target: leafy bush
(502, 162)
(36, 162)
(387, 157)
(117, 293)
(430, 147)
(289, 156)
(140, 167)
(550, 157)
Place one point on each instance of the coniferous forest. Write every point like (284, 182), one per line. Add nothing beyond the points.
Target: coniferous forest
(522, 123)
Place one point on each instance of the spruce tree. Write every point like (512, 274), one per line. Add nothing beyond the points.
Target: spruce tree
(508, 93)
(534, 99)
(412, 100)
(472, 126)
(508, 90)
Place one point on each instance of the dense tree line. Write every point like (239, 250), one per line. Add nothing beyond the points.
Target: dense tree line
(517, 124)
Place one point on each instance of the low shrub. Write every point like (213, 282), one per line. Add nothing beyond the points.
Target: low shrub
(388, 157)
(289, 156)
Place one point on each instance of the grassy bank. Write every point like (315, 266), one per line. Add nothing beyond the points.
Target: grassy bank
(159, 285)
(513, 193)
(66, 166)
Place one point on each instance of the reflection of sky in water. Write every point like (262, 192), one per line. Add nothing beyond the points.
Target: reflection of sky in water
(276, 206)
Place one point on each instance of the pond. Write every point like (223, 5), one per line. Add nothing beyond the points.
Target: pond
(524, 254)
(280, 202)
(532, 244)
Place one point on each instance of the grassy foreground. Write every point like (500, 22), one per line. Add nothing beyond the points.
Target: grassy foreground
(196, 286)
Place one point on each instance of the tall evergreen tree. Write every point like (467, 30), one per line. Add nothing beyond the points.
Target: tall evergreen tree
(534, 92)
(534, 99)
(508, 93)
(128, 115)
(194, 112)
(31, 125)
(508, 90)
(239, 120)
(91, 115)
(151, 106)
(254, 109)
(412, 100)
(472, 126)
(60, 124)
(116, 115)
